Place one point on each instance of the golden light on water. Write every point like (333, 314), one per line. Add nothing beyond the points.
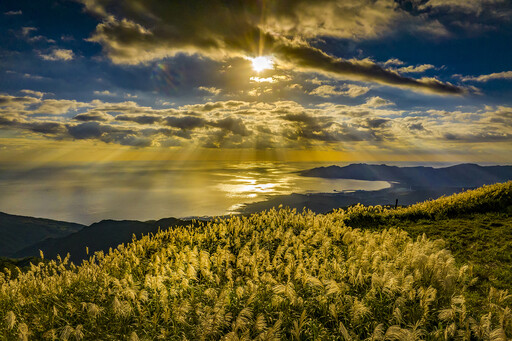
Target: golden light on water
(247, 187)
(262, 63)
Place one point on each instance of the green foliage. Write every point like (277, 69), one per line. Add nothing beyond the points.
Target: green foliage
(272, 275)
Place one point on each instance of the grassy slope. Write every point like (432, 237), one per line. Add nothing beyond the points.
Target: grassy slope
(480, 236)
(483, 240)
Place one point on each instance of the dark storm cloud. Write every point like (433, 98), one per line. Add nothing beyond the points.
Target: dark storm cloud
(138, 31)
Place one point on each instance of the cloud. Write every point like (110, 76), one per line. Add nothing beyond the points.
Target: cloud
(58, 106)
(44, 127)
(500, 115)
(108, 134)
(373, 125)
(416, 126)
(104, 93)
(26, 35)
(30, 76)
(212, 90)
(37, 94)
(185, 122)
(393, 61)
(284, 30)
(312, 59)
(233, 125)
(140, 119)
(26, 30)
(58, 54)
(309, 129)
(416, 69)
(480, 137)
(89, 130)
(14, 102)
(466, 6)
(35, 105)
(19, 12)
(486, 78)
(376, 102)
(350, 90)
(93, 116)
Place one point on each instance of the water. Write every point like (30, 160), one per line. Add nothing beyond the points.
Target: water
(86, 193)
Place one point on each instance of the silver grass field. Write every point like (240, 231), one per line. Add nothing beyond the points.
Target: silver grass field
(274, 275)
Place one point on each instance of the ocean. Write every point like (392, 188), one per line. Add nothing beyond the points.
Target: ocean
(87, 193)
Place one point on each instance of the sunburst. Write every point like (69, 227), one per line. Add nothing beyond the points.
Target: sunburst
(262, 63)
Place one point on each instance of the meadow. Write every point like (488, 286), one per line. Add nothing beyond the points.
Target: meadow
(438, 270)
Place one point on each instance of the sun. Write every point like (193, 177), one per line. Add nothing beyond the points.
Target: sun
(262, 63)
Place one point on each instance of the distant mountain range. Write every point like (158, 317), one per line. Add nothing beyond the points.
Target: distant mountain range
(25, 236)
(463, 175)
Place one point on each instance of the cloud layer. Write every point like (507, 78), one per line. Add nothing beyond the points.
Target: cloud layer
(136, 31)
(254, 125)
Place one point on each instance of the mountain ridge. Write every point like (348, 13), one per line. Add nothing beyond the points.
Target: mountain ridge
(18, 231)
(461, 175)
(99, 236)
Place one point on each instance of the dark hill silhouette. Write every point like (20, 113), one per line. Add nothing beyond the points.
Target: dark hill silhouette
(463, 175)
(18, 232)
(100, 236)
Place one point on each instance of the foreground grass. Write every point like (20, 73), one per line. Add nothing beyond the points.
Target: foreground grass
(281, 275)
(482, 240)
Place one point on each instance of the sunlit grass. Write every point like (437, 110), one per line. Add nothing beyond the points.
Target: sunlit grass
(274, 275)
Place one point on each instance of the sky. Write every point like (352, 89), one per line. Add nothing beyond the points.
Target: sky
(324, 80)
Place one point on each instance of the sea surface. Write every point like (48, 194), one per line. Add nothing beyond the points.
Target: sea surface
(87, 193)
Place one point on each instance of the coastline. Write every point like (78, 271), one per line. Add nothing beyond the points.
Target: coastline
(325, 202)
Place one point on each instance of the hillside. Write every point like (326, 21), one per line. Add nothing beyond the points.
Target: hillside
(100, 236)
(278, 274)
(463, 175)
(18, 232)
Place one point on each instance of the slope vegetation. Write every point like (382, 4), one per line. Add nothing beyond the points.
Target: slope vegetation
(273, 275)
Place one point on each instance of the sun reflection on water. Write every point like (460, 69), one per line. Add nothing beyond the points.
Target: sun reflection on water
(146, 190)
(247, 187)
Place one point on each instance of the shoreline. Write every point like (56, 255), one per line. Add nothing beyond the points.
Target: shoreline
(325, 202)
